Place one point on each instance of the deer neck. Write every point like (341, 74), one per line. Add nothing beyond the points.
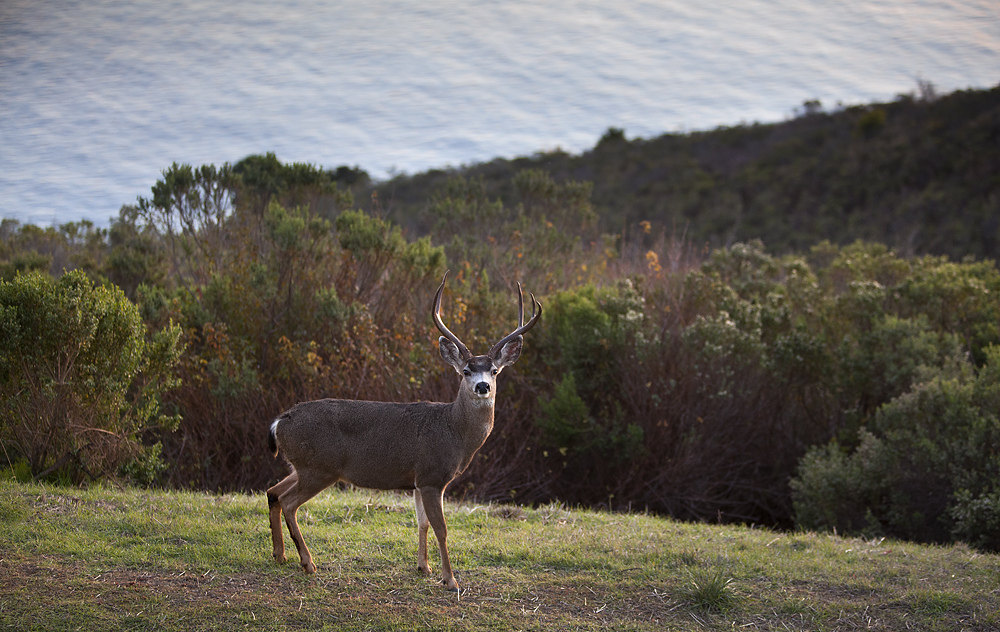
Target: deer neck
(472, 419)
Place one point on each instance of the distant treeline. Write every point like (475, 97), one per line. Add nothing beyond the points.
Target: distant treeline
(834, 385)
(920, 174)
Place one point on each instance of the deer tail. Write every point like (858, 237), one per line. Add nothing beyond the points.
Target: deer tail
(272, 438)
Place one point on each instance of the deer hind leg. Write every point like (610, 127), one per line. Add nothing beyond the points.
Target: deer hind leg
(290, 499)
(432, 500)
(274, 512)
(422, 525)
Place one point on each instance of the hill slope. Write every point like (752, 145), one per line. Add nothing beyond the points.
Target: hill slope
(139, 559)
(920, 175)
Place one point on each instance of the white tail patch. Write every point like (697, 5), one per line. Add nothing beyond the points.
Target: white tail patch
(272, 437)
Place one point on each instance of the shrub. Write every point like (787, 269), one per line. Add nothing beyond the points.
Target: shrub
(835, 490)
(871, 122)
(959, 298)
(80, 378)
(565, 420)
(881, 361)
(975, 518)
(926, 469)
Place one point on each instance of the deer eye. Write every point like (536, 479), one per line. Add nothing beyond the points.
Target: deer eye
(494, 371)
(467, 372)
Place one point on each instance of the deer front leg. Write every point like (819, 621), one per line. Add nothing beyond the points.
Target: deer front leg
(422, 525)
(432, 500)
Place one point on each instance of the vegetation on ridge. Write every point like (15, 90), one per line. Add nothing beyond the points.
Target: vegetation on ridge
(919, 174)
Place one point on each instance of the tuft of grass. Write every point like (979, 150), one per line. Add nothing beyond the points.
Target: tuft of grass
(137, 559)
(709, 591)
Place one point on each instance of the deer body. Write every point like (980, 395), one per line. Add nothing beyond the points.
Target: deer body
(383, 445)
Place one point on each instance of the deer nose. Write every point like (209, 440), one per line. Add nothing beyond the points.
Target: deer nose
(482, 388)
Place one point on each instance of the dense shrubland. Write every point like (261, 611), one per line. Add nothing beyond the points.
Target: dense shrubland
(843, 387)
(919, 174)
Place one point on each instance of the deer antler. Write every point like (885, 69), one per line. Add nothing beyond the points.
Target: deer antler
(436, 314)
(536, 313)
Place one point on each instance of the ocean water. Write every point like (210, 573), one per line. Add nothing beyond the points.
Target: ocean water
(97, 97)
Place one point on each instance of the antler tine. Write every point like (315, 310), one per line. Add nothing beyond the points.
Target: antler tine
(520, 306)
(536, 313)
(436, 315)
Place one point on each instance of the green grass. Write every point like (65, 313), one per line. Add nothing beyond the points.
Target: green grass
(109, 559)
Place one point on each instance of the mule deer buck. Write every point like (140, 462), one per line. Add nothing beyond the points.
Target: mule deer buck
(421, 446)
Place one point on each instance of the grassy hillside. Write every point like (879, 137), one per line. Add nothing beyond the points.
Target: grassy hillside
(132, 559)
(919, 174)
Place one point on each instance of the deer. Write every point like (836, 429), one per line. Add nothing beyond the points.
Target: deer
(421, 446)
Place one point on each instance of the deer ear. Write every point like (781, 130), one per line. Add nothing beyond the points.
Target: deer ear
(510, 352)
(450, 353)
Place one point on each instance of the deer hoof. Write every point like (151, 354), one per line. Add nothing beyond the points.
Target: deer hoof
(309, 568)
(280, 558)
(424, 570)
(451, 586)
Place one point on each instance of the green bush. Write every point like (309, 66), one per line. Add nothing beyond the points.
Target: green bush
(881, 361)
(959, 298)
(976, 518)
(835, 490)
(926, 469)
(80, 378)
(565, 420)
(591, 330)
(590, 335)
